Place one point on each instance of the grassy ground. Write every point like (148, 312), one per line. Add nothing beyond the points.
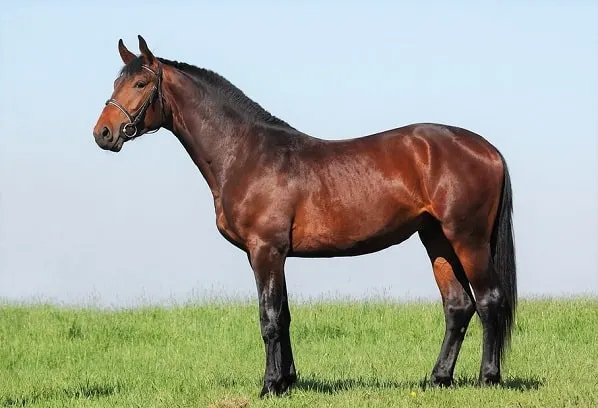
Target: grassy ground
(347, 355)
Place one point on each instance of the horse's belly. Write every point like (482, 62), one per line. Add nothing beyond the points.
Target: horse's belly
(351, 231)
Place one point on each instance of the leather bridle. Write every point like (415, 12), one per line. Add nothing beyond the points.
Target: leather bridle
(129, 130)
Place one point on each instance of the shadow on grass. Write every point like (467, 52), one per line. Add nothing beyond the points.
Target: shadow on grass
(86, 390)
(328, 386)
(509, 383)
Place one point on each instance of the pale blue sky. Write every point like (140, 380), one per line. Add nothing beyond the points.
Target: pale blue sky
(78, 224)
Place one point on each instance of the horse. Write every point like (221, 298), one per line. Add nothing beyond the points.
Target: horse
(280, 193)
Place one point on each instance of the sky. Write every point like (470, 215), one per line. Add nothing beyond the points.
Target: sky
(79, 225)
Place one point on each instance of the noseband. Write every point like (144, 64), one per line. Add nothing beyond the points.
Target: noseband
(129, 130)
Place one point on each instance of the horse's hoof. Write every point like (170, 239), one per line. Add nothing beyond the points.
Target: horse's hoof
(288, 381)
(442, 381)
(489, 379)
(276, 388)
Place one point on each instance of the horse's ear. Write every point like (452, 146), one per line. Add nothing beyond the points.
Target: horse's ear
(149, 57)
(126, 55)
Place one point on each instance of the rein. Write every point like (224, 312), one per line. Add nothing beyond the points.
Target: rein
(130, 130)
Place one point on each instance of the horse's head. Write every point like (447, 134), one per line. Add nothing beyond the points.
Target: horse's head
(135, 106)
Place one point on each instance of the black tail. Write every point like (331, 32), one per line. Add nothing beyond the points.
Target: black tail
(503, 259)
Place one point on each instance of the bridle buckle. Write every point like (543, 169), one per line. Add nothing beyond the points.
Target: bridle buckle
(127, 127)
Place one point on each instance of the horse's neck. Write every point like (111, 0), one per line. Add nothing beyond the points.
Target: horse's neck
(210, 139)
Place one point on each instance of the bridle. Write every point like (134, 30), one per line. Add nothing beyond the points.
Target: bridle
(129, 130)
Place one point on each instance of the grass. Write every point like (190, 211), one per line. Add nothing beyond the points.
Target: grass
(364, 354)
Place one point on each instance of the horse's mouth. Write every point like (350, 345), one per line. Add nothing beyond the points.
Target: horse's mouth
(118, 145)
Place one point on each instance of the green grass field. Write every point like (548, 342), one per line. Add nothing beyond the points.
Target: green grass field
(364, 354)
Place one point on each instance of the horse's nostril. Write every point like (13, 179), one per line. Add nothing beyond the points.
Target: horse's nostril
(105, 133)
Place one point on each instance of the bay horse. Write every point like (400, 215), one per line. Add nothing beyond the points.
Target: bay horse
(281, 193)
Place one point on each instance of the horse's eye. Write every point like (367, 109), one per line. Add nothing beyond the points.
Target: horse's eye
(139, 84)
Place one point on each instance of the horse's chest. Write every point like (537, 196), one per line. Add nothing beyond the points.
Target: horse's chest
(226, 229)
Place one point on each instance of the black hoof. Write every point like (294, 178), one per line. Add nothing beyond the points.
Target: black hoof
(437, 380)
(267, 391)
(289, 380)
(490, 378)
(277, 387)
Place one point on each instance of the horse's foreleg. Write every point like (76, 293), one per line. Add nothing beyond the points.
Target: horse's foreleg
(267, 261)
(289, 376)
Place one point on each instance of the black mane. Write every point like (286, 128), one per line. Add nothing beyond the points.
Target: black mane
(227, 89)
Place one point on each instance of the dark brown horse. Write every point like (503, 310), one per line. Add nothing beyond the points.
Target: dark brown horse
(280, 193)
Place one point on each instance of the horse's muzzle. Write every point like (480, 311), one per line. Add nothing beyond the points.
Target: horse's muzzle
(107, 141)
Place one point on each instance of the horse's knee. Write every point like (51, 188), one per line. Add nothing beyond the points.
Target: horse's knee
(271, 329)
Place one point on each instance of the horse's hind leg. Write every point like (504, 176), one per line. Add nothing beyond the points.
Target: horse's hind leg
(457, 300)
(490, 302)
